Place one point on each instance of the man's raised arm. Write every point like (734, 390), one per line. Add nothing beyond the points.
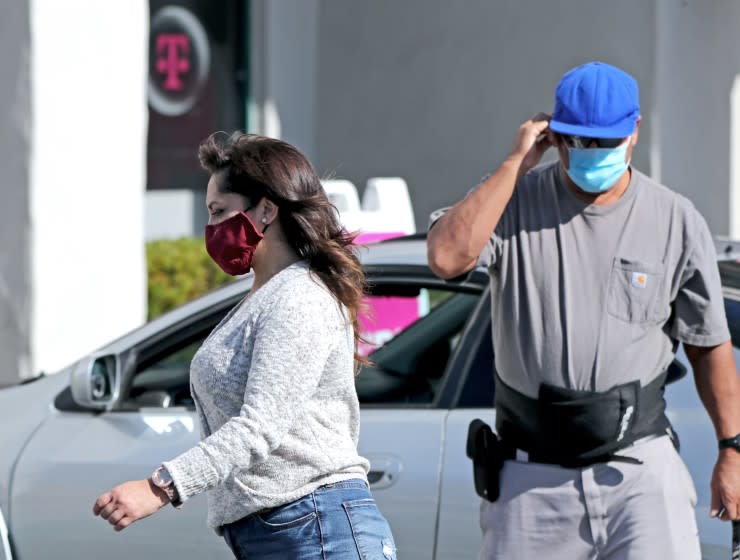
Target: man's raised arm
(458, 237)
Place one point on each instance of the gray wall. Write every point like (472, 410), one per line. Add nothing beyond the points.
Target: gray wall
(283, 59)
(698, 59)
(15, 284)
(433, 90)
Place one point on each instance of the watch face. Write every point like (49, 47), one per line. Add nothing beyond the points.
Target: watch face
(161, 477)
(730, 442)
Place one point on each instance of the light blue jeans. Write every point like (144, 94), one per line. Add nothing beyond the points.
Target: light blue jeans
(335, 522)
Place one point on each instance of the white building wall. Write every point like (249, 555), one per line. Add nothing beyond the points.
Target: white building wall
(15, 145)
(170, 214)
(89, 107)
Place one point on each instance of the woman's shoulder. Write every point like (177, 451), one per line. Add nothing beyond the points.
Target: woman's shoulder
(300, 288)
(299, 280)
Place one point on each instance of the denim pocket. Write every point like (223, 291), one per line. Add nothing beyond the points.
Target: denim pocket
(290, 515)
(370, 530)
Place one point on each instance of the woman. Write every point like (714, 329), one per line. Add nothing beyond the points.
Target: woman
(273, 383)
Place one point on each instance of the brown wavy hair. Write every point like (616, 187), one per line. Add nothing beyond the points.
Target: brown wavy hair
(256, 167)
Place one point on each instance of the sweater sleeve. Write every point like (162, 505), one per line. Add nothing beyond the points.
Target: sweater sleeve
(292, 345)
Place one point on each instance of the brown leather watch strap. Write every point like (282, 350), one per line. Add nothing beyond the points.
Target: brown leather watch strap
(162, 479)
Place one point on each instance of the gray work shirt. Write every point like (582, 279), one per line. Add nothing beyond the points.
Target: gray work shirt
(588, 296)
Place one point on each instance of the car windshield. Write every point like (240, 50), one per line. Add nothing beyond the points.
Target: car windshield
(730, 273)
(732, 309)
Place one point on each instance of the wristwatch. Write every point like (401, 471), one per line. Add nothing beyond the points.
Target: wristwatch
(733, 442)
(161, 478)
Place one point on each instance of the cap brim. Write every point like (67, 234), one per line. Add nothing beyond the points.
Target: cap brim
(620, 131)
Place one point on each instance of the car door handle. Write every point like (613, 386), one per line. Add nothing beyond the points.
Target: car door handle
(384, 471)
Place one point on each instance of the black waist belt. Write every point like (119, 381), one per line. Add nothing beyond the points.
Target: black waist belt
(577, 428)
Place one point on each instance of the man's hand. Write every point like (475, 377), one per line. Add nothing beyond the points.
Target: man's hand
(718, 383)
(531, 142)
(130, 502)
(726, 485)
(457, 239)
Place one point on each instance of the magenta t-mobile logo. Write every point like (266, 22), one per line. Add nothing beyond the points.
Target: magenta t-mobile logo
(180, 61)
(172, 59)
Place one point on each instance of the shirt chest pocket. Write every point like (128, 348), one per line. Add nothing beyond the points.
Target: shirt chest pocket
(636, 292)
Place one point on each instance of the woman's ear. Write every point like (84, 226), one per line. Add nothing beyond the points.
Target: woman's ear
(268, 212)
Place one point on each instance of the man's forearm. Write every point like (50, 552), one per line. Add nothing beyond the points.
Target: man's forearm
(459, 236)
(718, 384)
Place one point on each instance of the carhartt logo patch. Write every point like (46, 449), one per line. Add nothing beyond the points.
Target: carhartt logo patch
(639, 280)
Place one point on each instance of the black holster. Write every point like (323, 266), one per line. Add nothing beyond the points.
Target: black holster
(578, 428)
(565, 427)
(488, 454)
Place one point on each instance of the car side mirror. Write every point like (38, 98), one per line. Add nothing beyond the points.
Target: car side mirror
(95, 381)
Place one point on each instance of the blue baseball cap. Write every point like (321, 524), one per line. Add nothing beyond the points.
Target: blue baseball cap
(596, 100)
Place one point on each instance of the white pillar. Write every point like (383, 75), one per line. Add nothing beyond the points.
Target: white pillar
(88, 174)
(15, 116)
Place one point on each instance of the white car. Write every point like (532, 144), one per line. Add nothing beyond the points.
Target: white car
(117, 413)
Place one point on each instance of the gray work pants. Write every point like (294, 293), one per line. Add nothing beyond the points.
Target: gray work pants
(608, 511)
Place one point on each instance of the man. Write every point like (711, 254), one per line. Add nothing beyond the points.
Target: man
(597, 272)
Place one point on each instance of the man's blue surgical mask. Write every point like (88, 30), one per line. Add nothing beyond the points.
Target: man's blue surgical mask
(595, 170)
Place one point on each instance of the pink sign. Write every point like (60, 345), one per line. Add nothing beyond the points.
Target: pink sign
(373, 236)
(385, 316)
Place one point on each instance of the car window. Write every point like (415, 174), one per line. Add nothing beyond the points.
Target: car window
(729, 271)
(166, 382)
(732, 310)
(479, 386)
(410, 332)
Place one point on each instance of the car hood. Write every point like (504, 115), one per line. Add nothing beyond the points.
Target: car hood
(23, 408)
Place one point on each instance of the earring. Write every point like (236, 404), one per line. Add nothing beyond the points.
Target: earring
(264, 220)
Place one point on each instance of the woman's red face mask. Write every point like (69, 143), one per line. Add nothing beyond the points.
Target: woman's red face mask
(232, 243)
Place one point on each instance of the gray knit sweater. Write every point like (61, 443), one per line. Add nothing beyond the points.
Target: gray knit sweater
(273, 386)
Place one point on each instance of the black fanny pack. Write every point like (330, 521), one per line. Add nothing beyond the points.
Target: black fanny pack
(578, 428)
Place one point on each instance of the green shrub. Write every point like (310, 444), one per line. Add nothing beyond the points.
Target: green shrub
(179, 270)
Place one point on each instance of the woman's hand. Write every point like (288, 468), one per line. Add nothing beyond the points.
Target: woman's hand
(130, 502)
